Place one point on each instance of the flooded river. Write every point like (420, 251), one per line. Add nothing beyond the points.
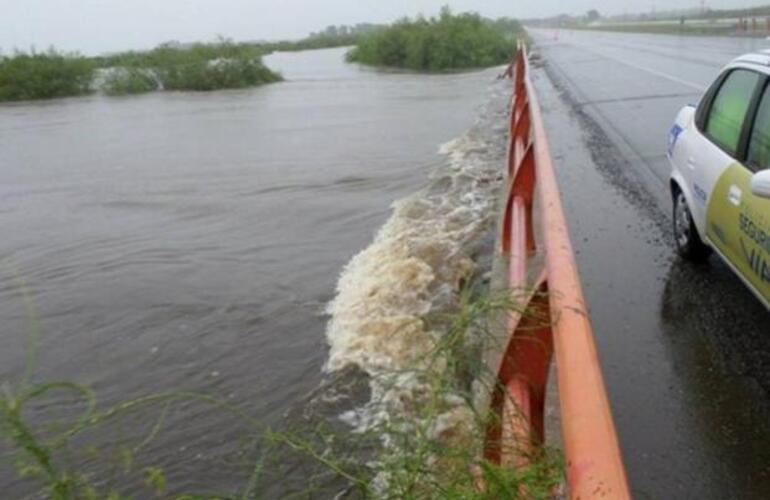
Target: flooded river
(192, 241)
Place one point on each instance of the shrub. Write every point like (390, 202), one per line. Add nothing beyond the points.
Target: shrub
(44, 75)
(122, 81)
(446, 42)
(211, 66)
(205, 75)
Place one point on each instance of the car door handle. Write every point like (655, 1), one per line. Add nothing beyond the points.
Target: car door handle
(691, 163)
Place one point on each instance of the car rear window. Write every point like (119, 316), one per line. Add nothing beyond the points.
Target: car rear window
(725, 119)
(759, 143)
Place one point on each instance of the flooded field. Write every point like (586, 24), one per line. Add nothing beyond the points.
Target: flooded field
(193, 241)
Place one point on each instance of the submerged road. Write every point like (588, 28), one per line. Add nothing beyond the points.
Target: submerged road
(685, 349)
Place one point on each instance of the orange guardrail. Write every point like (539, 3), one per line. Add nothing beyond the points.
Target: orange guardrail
(533, 212)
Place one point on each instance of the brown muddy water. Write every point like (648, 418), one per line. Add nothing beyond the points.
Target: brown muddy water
(193, 241)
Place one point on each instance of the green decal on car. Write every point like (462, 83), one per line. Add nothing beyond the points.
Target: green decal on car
(738, 224)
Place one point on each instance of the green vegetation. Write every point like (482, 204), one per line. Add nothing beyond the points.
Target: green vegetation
(332, 36)
(174, 54)
(432, 448)
(122, 81)
(202, 67)
(44, 454)
(445, 42)
(45, 75)
(218, 74)
(171, 66)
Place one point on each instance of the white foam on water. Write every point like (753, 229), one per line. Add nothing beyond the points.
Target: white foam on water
(416, 261)
(415, 265)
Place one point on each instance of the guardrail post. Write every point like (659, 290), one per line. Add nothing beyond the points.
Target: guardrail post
(552, 320)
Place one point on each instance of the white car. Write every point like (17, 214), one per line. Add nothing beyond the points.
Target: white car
(720, 179)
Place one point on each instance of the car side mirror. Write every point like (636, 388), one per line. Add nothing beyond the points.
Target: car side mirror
(760, 183)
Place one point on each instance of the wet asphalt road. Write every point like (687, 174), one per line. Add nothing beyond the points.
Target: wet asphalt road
(634, 84)
(685, 349)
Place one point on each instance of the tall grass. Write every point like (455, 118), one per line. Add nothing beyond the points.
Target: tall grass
(44, 75)
(431, 444)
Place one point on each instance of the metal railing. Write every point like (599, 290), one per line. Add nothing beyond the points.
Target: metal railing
(536, 243)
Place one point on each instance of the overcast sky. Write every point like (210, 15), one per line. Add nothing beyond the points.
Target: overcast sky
(96, 26)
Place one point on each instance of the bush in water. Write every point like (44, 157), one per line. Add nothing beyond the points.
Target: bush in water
(45, 75)
(122, 81)
(209, 66)
(217, 74)
(440, 43)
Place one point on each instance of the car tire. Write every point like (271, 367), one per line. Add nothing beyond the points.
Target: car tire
(689, 244)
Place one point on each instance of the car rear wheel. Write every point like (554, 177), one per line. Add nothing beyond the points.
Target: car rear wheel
(688, 241)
